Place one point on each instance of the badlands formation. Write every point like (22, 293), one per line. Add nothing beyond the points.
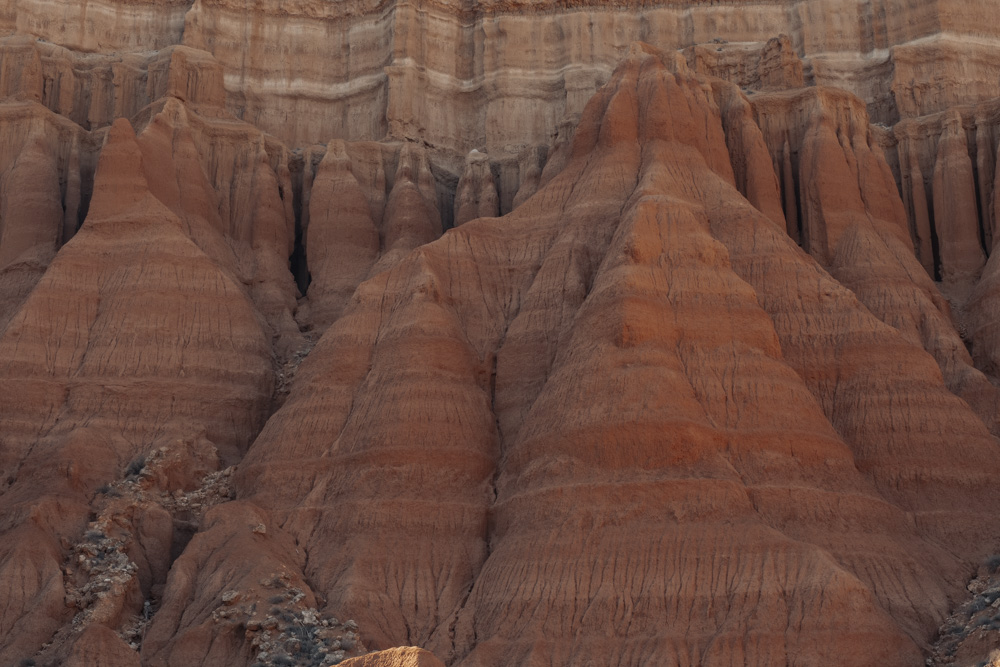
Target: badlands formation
(401, 334)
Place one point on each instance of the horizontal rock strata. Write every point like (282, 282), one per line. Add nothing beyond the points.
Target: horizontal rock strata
(487, 335)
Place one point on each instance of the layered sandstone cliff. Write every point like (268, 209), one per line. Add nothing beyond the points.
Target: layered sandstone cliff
(279, 385)
(497, 76)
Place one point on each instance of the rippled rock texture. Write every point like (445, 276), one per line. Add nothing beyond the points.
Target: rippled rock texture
(485, 334)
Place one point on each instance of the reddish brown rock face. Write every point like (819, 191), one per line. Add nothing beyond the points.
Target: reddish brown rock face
(575, 351)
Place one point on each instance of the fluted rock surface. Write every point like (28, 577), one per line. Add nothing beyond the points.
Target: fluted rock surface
(719, 387)
(503, 75)
(118, 349)
(476, 195)
(497, 74)
(46, 163)
(488, 75)
(155, 326)
(629, 422)
(354, 229)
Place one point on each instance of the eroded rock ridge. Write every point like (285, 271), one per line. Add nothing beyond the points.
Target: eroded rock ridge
(499, 334)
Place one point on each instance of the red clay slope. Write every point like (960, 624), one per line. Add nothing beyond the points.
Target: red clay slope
(632, 422)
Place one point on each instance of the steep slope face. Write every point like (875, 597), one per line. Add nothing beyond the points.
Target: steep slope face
(45, 163)
(94, 89)
(490, 75)
(353, 229)
(948, 175)
(153, 333)
(230, 184)
(711, 391)
(495, 74)
(91, 381)
(632, 421)
(841, 206)
(476, 195)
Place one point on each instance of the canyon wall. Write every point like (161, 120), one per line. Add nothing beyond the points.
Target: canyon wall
(498, 76)
(522, 333)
